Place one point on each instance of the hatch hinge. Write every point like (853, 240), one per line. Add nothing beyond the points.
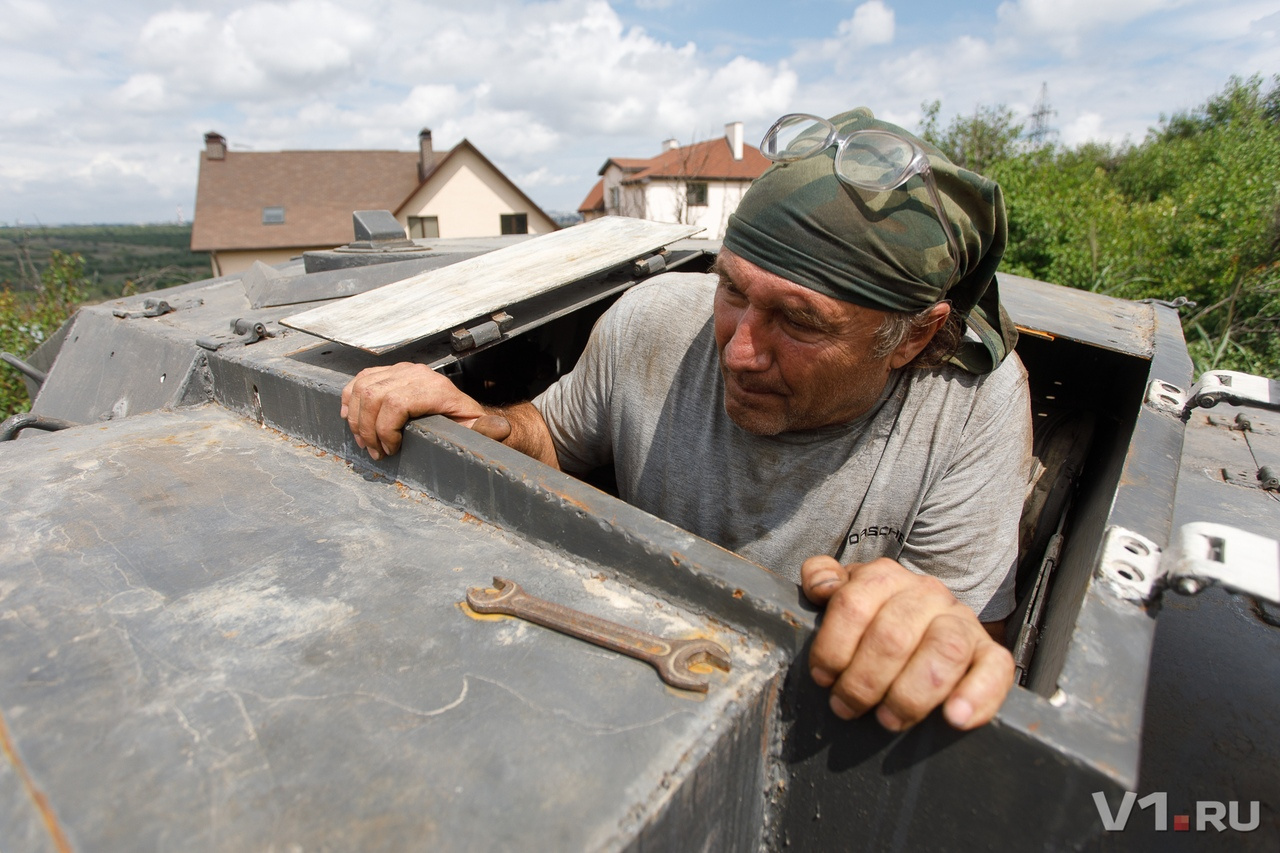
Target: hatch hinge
(1237, 389)
(150, 308)
(243, 331)
(1166, 397)
(1201, 554)
(487, 332)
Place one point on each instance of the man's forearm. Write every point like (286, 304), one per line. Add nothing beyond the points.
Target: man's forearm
(525, 430)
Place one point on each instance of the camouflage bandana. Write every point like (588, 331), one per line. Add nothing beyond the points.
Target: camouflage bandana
(883, 250)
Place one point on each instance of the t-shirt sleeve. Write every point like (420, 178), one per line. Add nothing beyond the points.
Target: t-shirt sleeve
(576, 406)
(966, 531)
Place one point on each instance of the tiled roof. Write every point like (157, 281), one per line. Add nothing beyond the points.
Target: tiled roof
(710, 160)
(317, 189)
(594, 200)
(626, 164)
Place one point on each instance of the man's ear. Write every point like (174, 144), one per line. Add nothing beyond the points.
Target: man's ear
(920, 336)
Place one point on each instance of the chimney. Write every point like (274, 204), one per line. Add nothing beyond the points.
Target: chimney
(733, 133)
(426, 157)
(670, 144)
(215, 146)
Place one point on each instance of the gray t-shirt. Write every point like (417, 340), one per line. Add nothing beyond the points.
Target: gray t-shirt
(933, 477)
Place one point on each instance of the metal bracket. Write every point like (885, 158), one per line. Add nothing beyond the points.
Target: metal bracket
(1205, 553)
(248, 332)
(1237, 389)
(651, 265)
(1130, 564)
(150, 308)
(1166, 397)
(485, 333)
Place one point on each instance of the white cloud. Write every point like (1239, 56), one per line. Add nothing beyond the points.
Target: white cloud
(109, 104)
(872, 23)
(1086, 127)
(25, 20)
(1063, 23)
(261, 51)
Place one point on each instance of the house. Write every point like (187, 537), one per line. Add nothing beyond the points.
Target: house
(272, 206)
(698, 184)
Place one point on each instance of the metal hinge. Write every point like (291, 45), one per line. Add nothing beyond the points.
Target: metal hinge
(484, 333)
(1237, 389)
(1166, 397)
(150, 308)
(243, 331)
(1201, 554)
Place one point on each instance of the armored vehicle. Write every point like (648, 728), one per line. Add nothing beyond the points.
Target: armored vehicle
(224, 627)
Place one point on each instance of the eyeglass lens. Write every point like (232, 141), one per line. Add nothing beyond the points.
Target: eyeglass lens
(875, 160)
(795, 137)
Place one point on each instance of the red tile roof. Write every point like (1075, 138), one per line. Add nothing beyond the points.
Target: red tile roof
(317, 189)
(710, 160)
(594, 200)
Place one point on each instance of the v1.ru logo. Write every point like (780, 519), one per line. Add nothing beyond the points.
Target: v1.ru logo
(1208, 813)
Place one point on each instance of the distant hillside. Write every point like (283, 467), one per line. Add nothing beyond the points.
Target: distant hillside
(145, 256)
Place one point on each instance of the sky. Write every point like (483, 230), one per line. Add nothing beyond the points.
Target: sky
(104, 106)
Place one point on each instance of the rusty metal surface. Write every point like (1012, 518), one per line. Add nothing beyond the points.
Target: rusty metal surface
(216, 637)
(1078, 315)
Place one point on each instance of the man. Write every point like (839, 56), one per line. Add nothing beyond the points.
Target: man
(815, 397)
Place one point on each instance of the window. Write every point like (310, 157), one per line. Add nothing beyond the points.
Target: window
(515, 223)
(423, 226)
(695, 194)
(613, 198)
(273, 216)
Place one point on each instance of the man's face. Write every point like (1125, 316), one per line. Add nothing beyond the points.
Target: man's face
(793, 358)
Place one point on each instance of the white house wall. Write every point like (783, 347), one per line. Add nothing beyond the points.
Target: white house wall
(468, 199)
(664, 202)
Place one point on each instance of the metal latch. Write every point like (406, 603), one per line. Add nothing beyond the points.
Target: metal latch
(1201, 554)
(485, 333)
(150, 308)
(1237, 389)
(246, 332)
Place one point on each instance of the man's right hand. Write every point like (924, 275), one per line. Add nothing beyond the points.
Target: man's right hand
(379, 401)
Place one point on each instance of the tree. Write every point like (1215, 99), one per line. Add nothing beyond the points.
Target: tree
(974, 142)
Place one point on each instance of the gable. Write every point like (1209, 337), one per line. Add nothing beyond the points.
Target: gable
(467, 194)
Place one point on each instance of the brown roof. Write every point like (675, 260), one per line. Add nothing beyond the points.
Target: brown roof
(317, 189)
(710, 160)
(594, 200)
(626, 164)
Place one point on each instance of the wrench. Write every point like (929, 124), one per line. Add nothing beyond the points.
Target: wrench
(671, 658)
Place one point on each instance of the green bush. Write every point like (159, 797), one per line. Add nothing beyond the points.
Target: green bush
(1193, 210)
(27, 320)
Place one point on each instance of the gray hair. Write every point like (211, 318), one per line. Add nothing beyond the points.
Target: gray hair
(899, 326)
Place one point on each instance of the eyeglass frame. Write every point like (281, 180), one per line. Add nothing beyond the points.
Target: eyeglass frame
(919, 165)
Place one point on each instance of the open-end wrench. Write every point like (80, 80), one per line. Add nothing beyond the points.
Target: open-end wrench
(671, 658)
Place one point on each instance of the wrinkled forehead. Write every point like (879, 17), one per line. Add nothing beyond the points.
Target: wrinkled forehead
(768, 289)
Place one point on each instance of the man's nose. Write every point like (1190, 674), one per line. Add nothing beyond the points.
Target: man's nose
(747, 349)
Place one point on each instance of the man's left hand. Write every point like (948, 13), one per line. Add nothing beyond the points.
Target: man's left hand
(901, 641)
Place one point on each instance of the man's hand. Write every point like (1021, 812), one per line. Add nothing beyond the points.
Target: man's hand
(379, 401)
(902, 641)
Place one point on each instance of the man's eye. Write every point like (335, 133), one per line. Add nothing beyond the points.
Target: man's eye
(801, 324)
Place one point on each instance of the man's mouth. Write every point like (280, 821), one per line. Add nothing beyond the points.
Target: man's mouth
(751, 384)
